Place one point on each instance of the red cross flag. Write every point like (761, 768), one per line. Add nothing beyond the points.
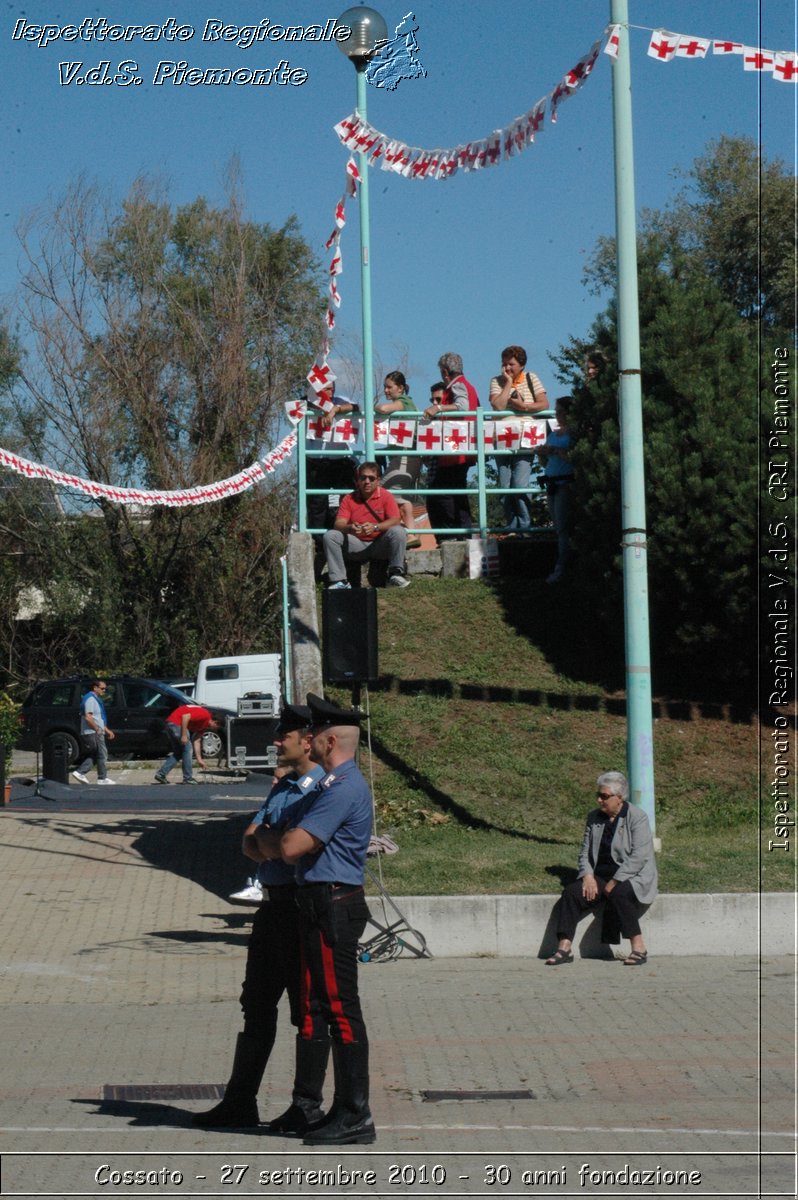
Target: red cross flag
(613, 41)
(380, 433)
(295, 411)
(317, 431)
(431, 436)
(347, 128)
(402, 433)
(330, 318)
(663, 45)
(508, 435)
(727, 47)
(755, 59)
(692, 47)
(346, 431)
(334, 293)
(488, 434)
(493, 150)
(535, 118)
(785, 68)
(336, 262)
(532, 434)
(320, 377)
(340, 213)
(456, 436)
(560, 93)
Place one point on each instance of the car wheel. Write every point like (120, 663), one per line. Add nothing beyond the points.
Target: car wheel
(211, 745)
(72, 746)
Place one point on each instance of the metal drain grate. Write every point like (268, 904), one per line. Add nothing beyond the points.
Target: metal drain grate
(163, 1091)
(434, 1097)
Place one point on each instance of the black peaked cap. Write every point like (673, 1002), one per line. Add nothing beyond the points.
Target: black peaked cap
(294, 716)
(324, 712)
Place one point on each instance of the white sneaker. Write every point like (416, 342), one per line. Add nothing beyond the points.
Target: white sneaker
(251, 894)
(81, 778)
(398, 580)
(106, 782)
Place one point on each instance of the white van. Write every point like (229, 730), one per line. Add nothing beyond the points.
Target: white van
(224, 681)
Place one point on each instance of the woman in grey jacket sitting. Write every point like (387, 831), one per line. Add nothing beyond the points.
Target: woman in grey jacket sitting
(616, 865)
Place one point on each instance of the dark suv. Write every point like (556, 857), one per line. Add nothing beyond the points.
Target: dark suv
(136, 710)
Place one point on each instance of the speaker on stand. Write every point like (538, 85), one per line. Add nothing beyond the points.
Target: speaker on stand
(349, 633)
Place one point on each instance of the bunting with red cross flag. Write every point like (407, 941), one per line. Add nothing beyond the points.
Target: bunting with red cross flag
(430, 437)
(402, 433)
(533, 434)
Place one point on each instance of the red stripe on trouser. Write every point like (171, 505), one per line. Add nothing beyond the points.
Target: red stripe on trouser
(305, 1019)
(331, 986)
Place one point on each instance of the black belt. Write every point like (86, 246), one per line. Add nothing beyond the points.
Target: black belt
(333, 888)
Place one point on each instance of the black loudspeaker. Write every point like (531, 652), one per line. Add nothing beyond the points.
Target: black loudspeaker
(55, 758)
(349, 631)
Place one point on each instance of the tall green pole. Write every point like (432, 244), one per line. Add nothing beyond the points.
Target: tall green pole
(640, 742)
(365, 276)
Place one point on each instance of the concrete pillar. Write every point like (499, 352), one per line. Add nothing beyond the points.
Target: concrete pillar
(305, 666)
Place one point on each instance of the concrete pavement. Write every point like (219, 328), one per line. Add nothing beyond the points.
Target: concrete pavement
(119, 975)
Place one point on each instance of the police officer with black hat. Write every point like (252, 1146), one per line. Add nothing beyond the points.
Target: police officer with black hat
(273, 952)
(328, 845)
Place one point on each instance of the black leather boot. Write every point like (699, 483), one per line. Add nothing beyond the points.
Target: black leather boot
(239, 1107)
(349, 1120)
(305, 1110)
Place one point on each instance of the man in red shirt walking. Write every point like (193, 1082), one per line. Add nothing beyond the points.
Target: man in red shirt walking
(184, 727)
(368, 526)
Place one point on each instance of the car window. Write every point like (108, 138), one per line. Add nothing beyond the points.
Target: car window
(144, 695)
(214, 674)
(111, 697)
(57, 695)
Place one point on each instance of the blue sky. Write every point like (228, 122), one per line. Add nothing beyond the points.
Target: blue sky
(470, 264)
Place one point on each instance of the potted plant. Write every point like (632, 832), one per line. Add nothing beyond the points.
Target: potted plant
(9, 733)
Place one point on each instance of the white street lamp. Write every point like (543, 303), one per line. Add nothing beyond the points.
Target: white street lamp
(368, 31)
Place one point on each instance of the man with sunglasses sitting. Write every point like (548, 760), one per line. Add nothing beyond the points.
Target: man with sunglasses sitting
(368, 526)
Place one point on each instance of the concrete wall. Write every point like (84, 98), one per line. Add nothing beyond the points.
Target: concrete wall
(727, 924)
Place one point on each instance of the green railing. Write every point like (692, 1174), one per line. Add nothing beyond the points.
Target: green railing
(484, 453)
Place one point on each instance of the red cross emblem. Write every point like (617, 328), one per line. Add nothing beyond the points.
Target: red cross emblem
(340, 217)
(758, 61)
(727, 47)
(345, 431)
(429, 439)
(401, 432)
(786, 69)
(456, 439)
(296, 411)
(663, 49)
(690, 49)
(320, 377)
(508, 437)
(533, 434)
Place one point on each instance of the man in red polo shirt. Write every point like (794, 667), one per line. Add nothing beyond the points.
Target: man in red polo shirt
(368, 526)
(184, 727)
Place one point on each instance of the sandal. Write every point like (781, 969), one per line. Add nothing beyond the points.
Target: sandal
(637, 958)
(559, 958)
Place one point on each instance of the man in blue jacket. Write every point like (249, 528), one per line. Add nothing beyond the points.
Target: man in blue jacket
(273, 951)
(328, 846)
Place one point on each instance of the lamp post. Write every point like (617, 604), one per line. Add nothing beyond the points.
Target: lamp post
(368, 30)
(640, 742)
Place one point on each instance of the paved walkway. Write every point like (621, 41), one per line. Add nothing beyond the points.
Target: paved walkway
(120, 968)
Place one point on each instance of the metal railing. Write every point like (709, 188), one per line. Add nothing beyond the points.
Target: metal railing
(484, 453)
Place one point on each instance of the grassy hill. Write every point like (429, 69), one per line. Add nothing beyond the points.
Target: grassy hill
(495, 711)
